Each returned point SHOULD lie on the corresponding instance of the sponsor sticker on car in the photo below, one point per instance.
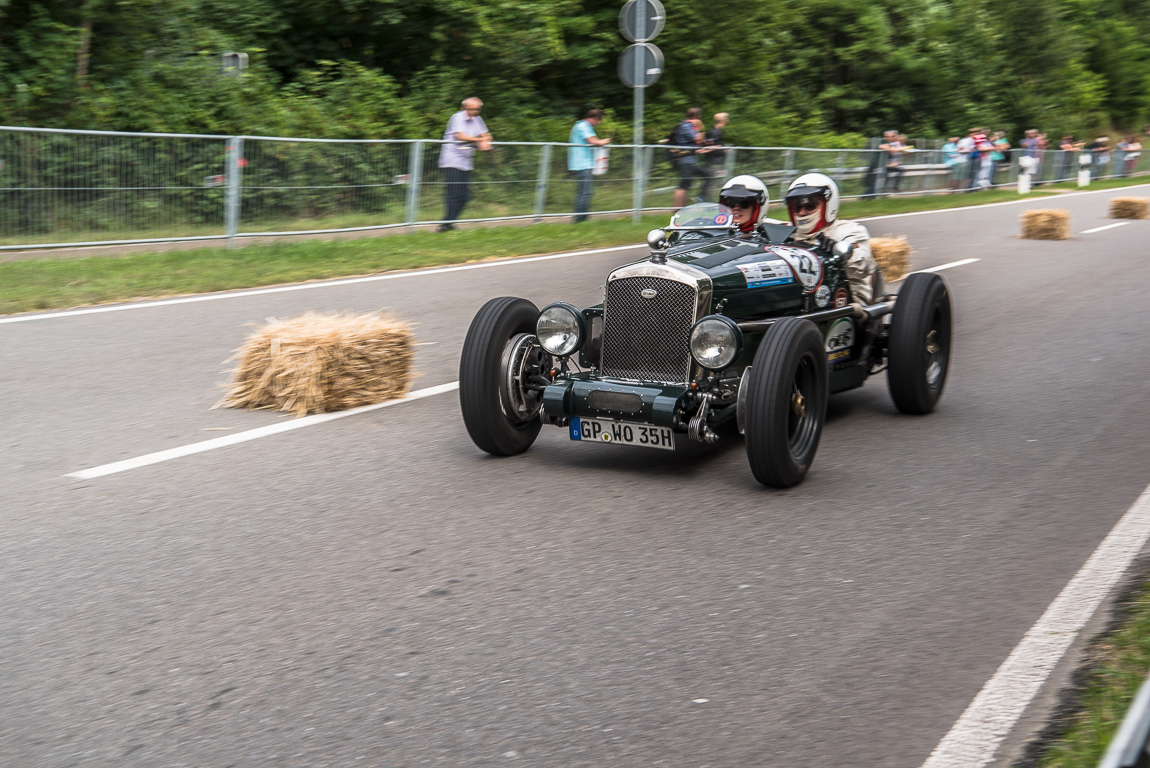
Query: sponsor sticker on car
(761, 273)
(603, 431)
(839, 340)
(807, 266)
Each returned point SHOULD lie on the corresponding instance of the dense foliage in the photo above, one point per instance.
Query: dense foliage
(819, 72)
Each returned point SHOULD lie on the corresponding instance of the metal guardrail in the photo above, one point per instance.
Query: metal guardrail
(1129, 747)
(61, 188)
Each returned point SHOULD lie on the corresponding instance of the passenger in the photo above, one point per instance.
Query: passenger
(747, 198)
(813, 204)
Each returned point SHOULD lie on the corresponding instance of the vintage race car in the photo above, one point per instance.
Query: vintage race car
(711, 329)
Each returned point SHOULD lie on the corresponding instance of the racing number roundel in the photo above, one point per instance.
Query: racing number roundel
(808, 267)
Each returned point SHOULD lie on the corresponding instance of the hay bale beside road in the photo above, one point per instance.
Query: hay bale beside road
(892, 255)
(322, 362)
(1046, 224)
(1130, 208)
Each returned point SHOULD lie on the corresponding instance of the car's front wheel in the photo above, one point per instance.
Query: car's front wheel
(918, 353)
(500, 357)
(786, 402)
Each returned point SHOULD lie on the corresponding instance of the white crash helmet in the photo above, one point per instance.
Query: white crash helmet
(744, 187)
(813, 185)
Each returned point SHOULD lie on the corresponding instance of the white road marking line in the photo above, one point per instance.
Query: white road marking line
(1100, 229)
(441, 270)
(951, 265)
(1042, 199)
(252, 434)
(307, 286)
(974, 739)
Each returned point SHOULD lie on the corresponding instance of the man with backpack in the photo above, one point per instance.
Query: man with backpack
(683, 146)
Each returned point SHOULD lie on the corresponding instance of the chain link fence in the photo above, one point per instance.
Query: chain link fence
(63, 187)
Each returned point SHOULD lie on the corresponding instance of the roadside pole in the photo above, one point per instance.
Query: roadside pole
(640, 65)
(637, 170)
(235, 147)
(541, 182)
(414, 179)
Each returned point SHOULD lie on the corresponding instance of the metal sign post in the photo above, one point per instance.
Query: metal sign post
(640, 65)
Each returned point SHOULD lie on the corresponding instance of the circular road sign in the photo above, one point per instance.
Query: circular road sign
(650, 59)
(650, 11)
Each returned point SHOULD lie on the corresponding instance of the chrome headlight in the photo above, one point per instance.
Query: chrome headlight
(716, 342)
(560, 329)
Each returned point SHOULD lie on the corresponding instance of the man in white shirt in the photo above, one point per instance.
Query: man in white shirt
(466, 132)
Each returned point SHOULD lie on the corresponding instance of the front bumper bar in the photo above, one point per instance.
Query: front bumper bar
(582, 394)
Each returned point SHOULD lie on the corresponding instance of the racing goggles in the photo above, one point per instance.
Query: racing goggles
(737, 202)
(805, 203)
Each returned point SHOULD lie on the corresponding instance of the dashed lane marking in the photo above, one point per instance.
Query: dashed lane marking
(951, 265)
(1102, 229)
(251, 434)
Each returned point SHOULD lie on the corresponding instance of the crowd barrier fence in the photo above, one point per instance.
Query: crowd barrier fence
(70, 187)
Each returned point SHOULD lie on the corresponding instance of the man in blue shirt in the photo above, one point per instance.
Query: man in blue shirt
(581, 159)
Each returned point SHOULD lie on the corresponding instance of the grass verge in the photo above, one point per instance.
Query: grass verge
(40, 284)
(1092, 711)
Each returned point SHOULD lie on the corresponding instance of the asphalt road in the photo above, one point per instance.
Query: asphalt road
(375, 591)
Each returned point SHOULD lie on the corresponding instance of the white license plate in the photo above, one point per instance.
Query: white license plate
(600, 431)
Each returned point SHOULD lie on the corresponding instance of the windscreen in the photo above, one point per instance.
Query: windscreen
(701, 215)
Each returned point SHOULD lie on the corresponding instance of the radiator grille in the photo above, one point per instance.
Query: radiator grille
(648, 338)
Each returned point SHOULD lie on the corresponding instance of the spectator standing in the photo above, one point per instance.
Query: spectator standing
(1043, 145)
(1000, 157)
(714, 154)
(983, 149)
(1100, 155)
(1029, 147)
(686, 140)
(1067, 148)
(893, 146)
(581, 159)
(877, 160)
(1132, 150)
(954, 161)
(967, 149)
(465, 134)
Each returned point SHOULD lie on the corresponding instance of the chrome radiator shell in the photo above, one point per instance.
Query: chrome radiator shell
(648, 311)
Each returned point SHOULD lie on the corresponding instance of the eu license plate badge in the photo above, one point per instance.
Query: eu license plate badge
(602, 431)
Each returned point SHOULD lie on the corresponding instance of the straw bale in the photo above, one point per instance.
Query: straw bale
(892, 255)
(1046, 224)
(1130, 208)
(322, 362)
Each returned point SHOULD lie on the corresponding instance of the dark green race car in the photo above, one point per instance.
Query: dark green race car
(711, 329)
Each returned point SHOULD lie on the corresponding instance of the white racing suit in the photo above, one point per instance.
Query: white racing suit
(861, 266)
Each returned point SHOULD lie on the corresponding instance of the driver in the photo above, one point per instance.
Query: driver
(747, 199)
(813, 204)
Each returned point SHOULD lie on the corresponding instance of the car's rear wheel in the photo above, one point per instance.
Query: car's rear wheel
(500, 355)
(918, 352)
(786, 402)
